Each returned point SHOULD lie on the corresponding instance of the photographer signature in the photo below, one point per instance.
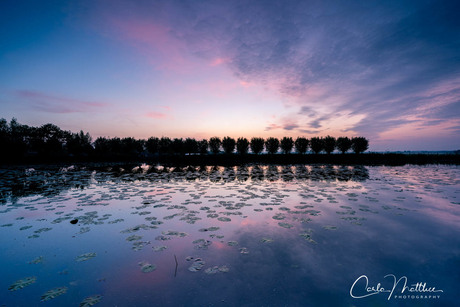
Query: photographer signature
(357, 291)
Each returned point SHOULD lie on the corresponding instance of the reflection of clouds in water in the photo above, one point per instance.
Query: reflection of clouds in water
(49, 181)
(316, 239)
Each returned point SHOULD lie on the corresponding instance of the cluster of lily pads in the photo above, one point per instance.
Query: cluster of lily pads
(213, 205)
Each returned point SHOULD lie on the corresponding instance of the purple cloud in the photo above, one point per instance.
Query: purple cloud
(57, 104)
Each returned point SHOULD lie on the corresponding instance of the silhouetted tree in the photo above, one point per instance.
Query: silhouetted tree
(359, 144)
(272, 145)
(191, 146)
(203, 147)
(115, 146)
(165, 145)
(51, 139)
(131, 147)
(329, 144)
(257, 145)
(343, 144)
(214, 145)
(152, 145)
(18, 139)
(286, 144)
(79, 144)
(4, 137)
(228, 144)
(316, 145)
(178, 146)
(301, 145)
(102, 146)
(242, 146)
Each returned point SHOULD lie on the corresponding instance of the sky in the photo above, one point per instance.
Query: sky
(385, 70)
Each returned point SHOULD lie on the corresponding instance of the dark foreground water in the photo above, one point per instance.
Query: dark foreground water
(242, 236)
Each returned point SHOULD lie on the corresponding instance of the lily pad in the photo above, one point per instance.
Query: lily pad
(85, 257)
(91, 300)
(232, 243)
(22, 283)
(244, 251)
(159, 248)
(285, 225)
(37, 260)
(196, 265)
(212, 228)
(53, 293)
(147, 267)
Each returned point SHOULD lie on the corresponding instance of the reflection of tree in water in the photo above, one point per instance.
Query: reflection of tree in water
(215, 175)
(301, 172)
(242, 173)
(16, 183)
(19, 183)
(272, 173)
(257, 173)
(286, 173)
(229, 173)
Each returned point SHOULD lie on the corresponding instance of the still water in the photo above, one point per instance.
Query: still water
(303, 235)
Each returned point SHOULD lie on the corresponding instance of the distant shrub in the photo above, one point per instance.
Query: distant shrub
(329, 144)
(316, 145)
(301, 145)
(286, 144)
(242, 146)
(343, 144)
(228, 144)
(257, 145)
(214, 145)
(359, 144)
(272, 145)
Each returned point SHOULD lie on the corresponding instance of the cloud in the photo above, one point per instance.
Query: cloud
(290, 127)
(384, 65)
(156, 115)
(57, 104)
(273, 127)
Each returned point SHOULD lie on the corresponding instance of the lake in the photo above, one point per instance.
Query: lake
(300, 235)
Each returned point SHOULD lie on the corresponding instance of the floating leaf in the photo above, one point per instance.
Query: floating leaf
(232, 243)
(147, 267)
(37, 260)
(22, 283)
(133, 238)
(285, 225)
(91, 300)
(213, 228)
(196, 265)
(159, 248)
(85, 257)
(53, 293)
(244, 251)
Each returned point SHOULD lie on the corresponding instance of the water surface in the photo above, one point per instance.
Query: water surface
(228, 236)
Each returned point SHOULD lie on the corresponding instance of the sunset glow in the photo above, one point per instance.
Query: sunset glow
(387, 71)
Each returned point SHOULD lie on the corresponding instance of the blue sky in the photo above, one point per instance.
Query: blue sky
(386, 70)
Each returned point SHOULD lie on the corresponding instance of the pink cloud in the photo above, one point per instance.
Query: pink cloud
(154, 41)
(219, 61)
(156, 115)
(167, 108)
(57, 104)
(273, 127)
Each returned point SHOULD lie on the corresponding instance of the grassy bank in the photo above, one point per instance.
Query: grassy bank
(390, 159)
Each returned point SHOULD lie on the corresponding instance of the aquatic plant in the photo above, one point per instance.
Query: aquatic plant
(22, 283)
(53, 293)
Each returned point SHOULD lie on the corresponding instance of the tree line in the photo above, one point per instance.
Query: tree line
(50, 141)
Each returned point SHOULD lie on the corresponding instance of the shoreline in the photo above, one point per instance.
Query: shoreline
(365, 159)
